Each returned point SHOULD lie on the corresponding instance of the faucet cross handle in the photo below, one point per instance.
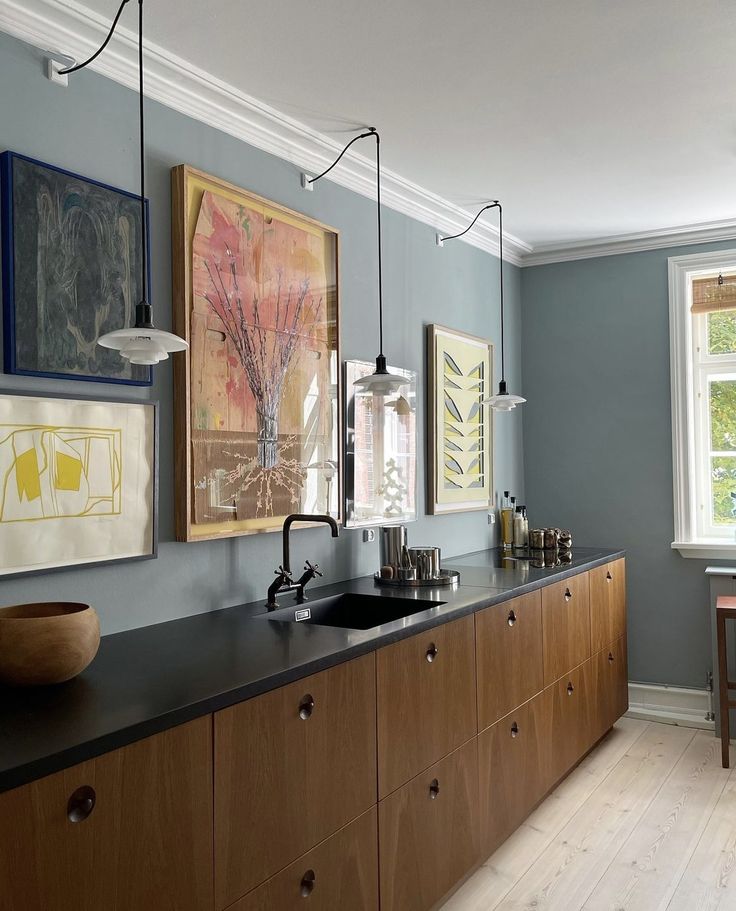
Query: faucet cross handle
(285, 576)
(312, 570)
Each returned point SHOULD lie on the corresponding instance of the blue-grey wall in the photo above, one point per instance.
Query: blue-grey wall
(598, 442)
(91, 128)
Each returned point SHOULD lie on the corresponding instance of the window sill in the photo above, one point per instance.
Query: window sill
(705, 550)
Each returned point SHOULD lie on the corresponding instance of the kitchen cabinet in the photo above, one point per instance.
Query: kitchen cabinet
(611, 686)
(291, 768)
(341, 872)
(514, 761)
(129, 830)
(426, 700)
(572, 707)
(429, 832)
(565, 626)
(508, 645)
(607, 604)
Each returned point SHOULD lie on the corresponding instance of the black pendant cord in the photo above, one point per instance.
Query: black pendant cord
(143, 309)
(81, 66)
(371, 132)
(492, 205)
(143, 314)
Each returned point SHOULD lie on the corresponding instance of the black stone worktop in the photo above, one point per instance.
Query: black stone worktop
(147, 680)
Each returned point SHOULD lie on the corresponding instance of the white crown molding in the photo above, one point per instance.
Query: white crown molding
(67, 27)
(684, 235)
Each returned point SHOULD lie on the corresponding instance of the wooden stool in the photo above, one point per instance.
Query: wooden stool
(725, 610)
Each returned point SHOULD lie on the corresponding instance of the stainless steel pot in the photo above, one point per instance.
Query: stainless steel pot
(427, 561)
(392, 544)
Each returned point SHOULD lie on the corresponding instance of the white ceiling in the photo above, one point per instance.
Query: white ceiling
(587, 118)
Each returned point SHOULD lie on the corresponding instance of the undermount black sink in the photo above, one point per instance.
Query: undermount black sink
(351, 611)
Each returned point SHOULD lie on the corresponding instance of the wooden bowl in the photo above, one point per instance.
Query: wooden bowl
(46, 643)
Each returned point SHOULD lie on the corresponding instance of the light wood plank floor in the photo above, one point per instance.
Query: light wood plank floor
(647, 822)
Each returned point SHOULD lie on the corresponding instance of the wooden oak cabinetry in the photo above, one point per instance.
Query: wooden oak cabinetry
(515, 770)
(429, 832)
(291, 768)
(607, 604)
(566, 626)
(426, 700)
(129, 830)
(508, 647)
(341, 872)
(424, 755)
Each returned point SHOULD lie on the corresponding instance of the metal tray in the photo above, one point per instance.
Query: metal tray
(447, 577)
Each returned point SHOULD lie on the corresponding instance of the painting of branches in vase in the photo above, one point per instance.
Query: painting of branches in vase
(255, 288)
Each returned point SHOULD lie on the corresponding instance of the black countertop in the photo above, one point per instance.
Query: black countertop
(147, 680)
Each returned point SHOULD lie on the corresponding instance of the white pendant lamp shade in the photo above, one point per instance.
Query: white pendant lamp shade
(503, 400)
(145, 347)
(381, 382)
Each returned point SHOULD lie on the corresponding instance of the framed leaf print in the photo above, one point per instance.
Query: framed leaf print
(71, 256)
(459, 427)
(80, 482)
(257, 396)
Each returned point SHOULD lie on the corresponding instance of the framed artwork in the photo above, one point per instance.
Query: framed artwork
(71, 255)
(459, 438)
(80, 481)
(380, 450)
(257, 416)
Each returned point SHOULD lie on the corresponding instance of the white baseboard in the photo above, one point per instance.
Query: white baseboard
(670, 704)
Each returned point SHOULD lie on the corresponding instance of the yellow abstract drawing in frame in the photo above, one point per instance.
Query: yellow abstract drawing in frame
(459, 444)
(77, 482)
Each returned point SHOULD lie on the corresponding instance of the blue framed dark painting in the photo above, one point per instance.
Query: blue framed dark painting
(71, 255)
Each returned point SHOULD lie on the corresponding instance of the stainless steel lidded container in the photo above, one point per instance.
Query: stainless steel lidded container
(392, 544)
(427, 561)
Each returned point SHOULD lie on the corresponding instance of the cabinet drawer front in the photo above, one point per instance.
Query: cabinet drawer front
(508, 642)
(426, 700)
(612, 685)
(607, 604)
(342, 872)
(291, 768)
(429, 833)
(573, 727)
(565, 626)
(131, 829)
(515, 771)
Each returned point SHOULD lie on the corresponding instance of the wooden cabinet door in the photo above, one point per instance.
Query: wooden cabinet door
(429, 833)
(342, 872)
(612, 686)
(565, 626)
(508, 648)
(515, 769)
(139, 836)
(573, 702)
(426, 700)
(291, 768)
(607, 604)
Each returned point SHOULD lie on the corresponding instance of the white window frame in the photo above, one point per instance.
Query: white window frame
(690, 372)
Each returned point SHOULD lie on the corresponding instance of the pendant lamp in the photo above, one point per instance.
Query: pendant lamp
(380, 382)
(503, 400)
(143, 343)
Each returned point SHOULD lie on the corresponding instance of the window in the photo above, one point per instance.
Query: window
(703, 366)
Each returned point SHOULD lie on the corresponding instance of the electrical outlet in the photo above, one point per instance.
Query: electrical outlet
(306, 185)
(369, 535)
(491, 518)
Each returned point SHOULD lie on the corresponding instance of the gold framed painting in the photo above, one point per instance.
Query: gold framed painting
(257, 395)
(459, 427)
(80, 480)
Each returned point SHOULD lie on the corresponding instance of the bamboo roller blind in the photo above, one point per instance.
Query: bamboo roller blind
(709, 296)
